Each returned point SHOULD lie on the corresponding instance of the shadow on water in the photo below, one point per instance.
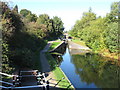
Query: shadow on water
(57, 54)
(88, 70)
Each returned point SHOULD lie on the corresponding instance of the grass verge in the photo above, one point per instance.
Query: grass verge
(104, 53)
(76, 40)
(54, 44)
(64, 83)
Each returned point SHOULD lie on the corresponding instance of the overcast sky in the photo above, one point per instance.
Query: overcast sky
(68, 10)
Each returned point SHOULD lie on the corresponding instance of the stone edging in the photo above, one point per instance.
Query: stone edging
(57, 46)
(61, 69)
(66, 78)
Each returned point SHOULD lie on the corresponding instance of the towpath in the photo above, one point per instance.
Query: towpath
(73, 45)
(44, 62)
(46, 67)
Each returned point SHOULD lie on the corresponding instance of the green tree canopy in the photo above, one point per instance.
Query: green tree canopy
(31, 17)
(100, 34)
(25, 12)
(43, 19)
(58, 25)
(114, 8)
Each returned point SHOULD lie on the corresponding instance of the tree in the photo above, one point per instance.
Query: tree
(15, 9)
(111, 37)
(54, 26)
(58, 26)
(13, 49)
(100, 34)
(83, 23)
(43, 19)
(11, 24)
(114, 8)
(23, 36)
(25, 12)
(113, 15)
(31, 17)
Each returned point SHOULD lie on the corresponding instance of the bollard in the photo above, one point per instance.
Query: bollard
(13, 81)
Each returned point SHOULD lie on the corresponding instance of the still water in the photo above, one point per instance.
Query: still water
(90, 71)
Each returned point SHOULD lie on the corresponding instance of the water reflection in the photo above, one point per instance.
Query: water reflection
(57, 54)
(78, 51)
(90, 71)
(58, 58)
(60, 49)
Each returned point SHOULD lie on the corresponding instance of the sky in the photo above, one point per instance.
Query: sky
(68, 10)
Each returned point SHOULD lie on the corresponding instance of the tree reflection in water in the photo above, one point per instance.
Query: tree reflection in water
(93, 69)
(57, 53)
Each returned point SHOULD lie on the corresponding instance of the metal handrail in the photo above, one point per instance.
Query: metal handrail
(6, 83)
(7, 74)
(30, 71)
(45, 82)
(36, 86)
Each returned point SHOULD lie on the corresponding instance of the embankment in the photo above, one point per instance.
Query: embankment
(57, 70)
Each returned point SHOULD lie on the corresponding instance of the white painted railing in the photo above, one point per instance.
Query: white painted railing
(36, 86)
(45, 84)
(7, 74)
(30, 71)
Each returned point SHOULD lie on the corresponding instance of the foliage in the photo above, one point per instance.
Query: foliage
(58, 26)
(23, 34)
(11, 25)
(99, 33)
(111, 37)
(15, 9)
(51, 27)
(31, 17)
(25, 12)
(43, 19)
(6, 64)
(114, 8)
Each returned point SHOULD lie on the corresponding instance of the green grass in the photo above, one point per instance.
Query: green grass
(58, 73)
(76, 40)
(54, 44)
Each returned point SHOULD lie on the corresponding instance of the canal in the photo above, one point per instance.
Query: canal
(88, 70)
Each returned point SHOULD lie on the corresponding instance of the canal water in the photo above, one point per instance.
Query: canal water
(87, 70)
